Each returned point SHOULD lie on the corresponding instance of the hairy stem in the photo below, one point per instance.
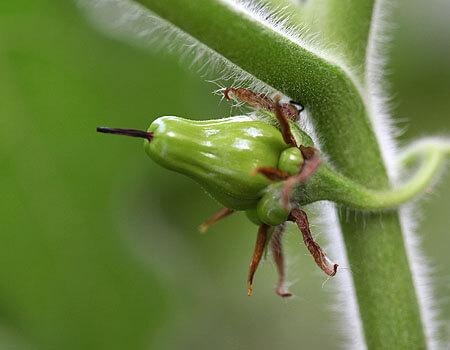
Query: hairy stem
(335, 99)
(327, 184)
(346, 23)
(295, 67)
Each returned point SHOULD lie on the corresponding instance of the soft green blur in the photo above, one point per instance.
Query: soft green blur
(99, 247)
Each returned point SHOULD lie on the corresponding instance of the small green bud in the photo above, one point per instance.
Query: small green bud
(270, 209)
(291, 160)
(252, 215)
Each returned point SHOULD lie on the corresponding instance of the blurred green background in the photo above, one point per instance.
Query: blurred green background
(99, 248)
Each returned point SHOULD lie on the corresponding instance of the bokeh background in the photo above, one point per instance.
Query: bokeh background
(99, 248)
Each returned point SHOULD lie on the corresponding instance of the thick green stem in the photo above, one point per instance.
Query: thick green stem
(346, 23)
(334, 98)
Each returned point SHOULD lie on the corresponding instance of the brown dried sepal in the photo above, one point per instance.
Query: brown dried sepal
(262, 101)
(257, 255)
(300, 218)
(277, 251)
(254, 99)
(221, 214)
(284, 123)
(311, 162)
(273, 174)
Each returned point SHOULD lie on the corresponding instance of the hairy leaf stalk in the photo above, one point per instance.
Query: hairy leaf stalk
(335, 99)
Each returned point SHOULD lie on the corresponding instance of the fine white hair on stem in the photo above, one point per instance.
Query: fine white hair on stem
(279, 21)
(132, 23)
(346, 309)
(386, 132)
(128, 21)
(422, 273)
(379, 102)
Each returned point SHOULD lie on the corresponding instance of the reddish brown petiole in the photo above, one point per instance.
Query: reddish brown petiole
(257, 255)
(300, 218)
(276, 246)
(221, 214)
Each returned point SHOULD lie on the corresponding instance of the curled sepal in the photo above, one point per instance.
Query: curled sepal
(285, 126)
(261, 240)
(300, 218)
(278, 257)
(265, 103)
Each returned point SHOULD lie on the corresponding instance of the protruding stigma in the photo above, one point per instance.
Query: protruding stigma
(127, 132)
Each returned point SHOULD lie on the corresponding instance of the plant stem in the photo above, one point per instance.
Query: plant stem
(334, 98)
(345, 23)
(327, 184)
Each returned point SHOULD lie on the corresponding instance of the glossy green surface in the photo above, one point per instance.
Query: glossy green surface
(270, 208)
(93, 256)
(219, 154)
(290, 160)
(252, 215)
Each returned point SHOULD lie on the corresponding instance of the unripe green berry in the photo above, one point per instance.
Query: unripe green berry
(291, 160)
(219, 154)
(252, 215)
(270, 208)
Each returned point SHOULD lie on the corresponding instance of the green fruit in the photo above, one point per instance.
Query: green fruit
(219, 154)
(222, 156)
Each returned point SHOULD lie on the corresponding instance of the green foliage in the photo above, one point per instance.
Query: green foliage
(96, 253)
(339, 101)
